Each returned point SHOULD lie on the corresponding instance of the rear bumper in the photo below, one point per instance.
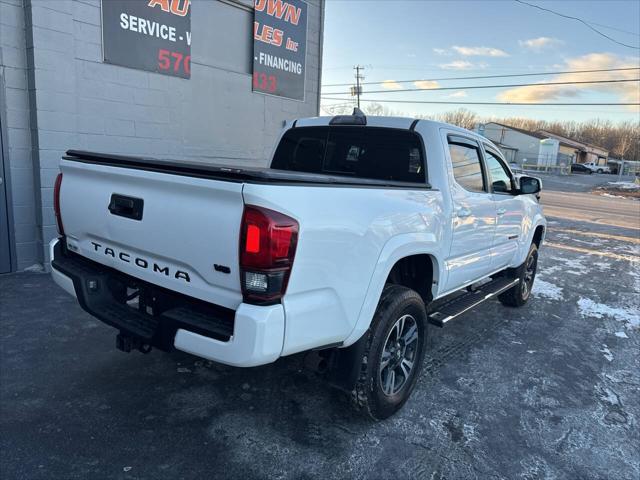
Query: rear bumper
(250, 336)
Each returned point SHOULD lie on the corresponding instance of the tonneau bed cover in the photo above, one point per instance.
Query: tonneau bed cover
(230, 173)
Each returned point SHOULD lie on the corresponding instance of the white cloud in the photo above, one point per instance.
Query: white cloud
(462, 65)
(458, 94)
(480, 51)
(625, 92)
(426, 84)
(440, 51)
(540, 43)
(391, 85)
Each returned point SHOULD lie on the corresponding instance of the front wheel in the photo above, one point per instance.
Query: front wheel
(600, 170)
(518, 295)
(394, 353)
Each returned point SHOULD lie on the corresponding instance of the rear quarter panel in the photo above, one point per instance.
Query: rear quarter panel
(349, 240)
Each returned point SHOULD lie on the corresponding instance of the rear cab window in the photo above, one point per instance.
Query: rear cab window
(361, 152)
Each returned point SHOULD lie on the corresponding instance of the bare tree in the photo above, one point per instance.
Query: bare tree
(622, 139)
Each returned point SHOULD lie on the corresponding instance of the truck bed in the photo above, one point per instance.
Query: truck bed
(232, 173)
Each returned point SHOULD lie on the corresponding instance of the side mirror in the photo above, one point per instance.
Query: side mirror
(530, 185)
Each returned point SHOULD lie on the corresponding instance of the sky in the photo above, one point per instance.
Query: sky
(399, 40)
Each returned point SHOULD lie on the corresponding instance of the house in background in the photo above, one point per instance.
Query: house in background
(541, 148)
(581, 151)
(517, 145)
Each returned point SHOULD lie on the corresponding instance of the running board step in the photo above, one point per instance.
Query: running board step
(451, 309)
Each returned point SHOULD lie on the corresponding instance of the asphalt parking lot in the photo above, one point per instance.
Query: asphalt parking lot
(577, 182)
(551, 390)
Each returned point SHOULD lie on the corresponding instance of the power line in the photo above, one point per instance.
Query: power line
(488, 76)
(380, 100)
(615, 28)
(578, 20)
(474, 87)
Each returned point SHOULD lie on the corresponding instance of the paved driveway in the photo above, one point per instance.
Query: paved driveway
(551, 390)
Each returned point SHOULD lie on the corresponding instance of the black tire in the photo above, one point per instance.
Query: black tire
(520, 294)
(370, 395)
(599, 170)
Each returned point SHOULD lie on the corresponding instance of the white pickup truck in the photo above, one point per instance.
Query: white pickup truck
(363, 232)
(596, 168)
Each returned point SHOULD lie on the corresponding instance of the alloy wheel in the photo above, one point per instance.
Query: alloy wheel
(398, 355)
(529, 275)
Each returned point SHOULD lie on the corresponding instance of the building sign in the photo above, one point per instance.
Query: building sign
(279, 48)
(153, 35)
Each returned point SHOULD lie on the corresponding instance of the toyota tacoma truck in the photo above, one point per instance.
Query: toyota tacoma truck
(364, 233)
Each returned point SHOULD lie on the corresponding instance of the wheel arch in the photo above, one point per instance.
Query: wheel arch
(534, 233)
(539, 234)
(416, 251)
(416, 272)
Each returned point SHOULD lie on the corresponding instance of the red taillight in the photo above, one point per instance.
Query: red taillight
(268, 242)
(56, 203)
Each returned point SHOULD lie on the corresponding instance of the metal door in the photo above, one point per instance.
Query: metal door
(5, 254)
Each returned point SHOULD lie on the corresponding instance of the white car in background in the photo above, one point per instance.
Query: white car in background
(595, 168)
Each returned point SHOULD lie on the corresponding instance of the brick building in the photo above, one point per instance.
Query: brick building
(58, 93)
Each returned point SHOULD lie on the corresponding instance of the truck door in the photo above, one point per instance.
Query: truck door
(509, 210)
(473, 215)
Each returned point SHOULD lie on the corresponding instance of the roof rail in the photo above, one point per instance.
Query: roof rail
(356, 118)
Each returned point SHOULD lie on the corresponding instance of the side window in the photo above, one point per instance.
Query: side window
(467, 169)
(500, 178)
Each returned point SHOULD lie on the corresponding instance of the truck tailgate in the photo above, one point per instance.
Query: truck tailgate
(186, 239)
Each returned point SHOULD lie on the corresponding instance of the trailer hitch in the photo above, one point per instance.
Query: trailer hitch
(126, 343)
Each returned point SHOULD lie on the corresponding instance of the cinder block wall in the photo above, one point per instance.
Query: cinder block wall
(63, 96)
(22, 177)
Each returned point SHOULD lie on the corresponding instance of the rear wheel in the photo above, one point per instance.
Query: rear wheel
(394, 353)
(518, 295)
(600, 170)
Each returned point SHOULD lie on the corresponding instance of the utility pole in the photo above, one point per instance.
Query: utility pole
(358, 89)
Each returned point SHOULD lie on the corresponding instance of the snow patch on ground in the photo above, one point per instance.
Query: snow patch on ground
(549, 270)
(609, 396)
(35, 268)
(589, 308)
(607, 353)
(546, 290)
(602, 265)
(621, 335)
(626, 185)
(575, 265)
(605, 194)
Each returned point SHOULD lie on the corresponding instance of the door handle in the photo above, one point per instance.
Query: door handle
(501, 211)
(127, 207)
(463, 212)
